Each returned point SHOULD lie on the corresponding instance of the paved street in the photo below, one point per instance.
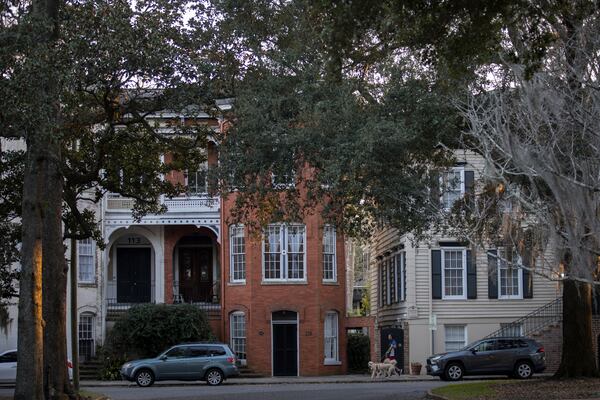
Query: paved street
(327, 391)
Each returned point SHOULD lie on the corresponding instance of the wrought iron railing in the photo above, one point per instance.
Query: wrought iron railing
(533, 322)
(206, 302)
(113, 303)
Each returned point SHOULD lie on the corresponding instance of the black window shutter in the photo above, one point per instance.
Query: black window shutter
(527, 284)
(404, 276)
(471, 275)
(435, 190)
(470, 187)
(492, 274)
(436, 274)
(381, 285)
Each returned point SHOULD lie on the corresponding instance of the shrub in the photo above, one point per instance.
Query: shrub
(148, 329)
(359, 352)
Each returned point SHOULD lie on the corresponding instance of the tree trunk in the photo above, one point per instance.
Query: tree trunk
(577, 359)
(55, 272)
(30, 328)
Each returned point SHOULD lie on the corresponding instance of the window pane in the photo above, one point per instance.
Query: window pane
(272, 253)
(197, 181)
(295, 252)
(508, 274)
(329, 272)
(455, 337)
(331, 336)
(237, 248)
(453, 273)
(451, 187)
(238, 335)
(85, 255)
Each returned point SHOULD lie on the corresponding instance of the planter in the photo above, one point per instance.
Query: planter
(415, 368)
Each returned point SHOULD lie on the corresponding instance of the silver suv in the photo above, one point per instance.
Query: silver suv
(514, 356)
(211, 362)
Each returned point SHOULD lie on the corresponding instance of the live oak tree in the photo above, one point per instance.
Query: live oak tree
(538, 130)
(78, 82)
(369, 95)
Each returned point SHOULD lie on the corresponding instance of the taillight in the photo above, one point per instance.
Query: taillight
(540, 350)
(231, 360)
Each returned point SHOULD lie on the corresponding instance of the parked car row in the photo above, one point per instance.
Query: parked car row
(517, 357)
(8, 367)
(210, 362)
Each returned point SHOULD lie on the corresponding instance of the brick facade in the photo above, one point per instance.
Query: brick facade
(311, 300)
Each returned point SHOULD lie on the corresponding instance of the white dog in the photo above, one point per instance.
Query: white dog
(384, 369)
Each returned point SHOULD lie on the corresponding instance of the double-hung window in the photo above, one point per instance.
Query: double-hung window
(197, 181)
(453, 187)
(284, 252)
(238, 335)
(510, 276)
(454, 273)
(331, 337)
(237, 253)
(455, 337)
(329, 264)
(85, 255)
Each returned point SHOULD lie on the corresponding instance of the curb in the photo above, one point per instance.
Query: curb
(252, 382)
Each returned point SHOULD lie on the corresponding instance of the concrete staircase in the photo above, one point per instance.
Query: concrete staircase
(90, 370)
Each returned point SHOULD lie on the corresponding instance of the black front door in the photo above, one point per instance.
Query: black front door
(285, 349)
(397, 337)
(133, 275)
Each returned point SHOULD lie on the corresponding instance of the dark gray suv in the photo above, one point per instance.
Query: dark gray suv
(514, 356)
(211, 362)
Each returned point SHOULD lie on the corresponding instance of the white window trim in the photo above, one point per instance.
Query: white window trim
(518, 296)
(336, 359)
(443, 188)
(283, 256)
(334, 279)
(202, 167)
(464, 274)
(231, 261)
(466, 340)
(93, 256)
(245, 337)
(281, 186)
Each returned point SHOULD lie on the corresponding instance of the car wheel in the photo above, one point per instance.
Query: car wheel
(144, 378)
(454, 372)
(214, 377)
(523, 370)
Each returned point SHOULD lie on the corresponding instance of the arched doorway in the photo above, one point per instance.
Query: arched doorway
(194, 271)
(285, 343)
(131, 271)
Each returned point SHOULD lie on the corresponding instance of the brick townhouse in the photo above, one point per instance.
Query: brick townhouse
(277, 296)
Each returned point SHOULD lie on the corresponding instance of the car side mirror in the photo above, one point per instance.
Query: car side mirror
(473, 351)
(163, 358)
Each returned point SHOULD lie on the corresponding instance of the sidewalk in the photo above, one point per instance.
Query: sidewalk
(276, 380)
(281, 380)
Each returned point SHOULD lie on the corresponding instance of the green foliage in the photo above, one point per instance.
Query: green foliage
(365, 303)
(359, 352)
(147, 329)
(111, 364)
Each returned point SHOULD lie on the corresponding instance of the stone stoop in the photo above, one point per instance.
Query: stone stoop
(90, 370)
